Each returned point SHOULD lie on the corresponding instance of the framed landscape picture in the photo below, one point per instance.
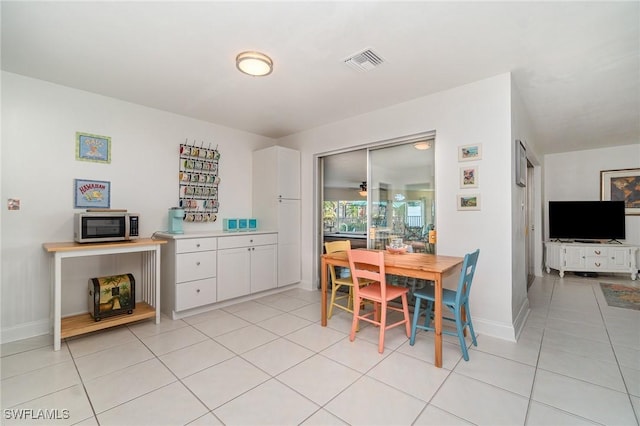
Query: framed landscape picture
(468, 201)
(470, 152)
(622, 185)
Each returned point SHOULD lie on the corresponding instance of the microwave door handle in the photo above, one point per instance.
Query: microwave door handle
(127, 227)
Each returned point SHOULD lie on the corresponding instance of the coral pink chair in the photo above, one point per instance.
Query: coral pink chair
(369, 265)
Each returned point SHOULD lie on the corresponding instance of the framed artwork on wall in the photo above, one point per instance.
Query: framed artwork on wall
(91, 194)
(468, 201)
(94, 148)
(469, 177)
(521, 164)
(622, 185)
(470, 152)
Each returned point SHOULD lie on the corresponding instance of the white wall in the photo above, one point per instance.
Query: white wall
(474, 113)
(38, 166)
(574, 176)
(39, 121)
(522, 130)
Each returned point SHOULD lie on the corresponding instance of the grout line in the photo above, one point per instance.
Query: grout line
(557, 286)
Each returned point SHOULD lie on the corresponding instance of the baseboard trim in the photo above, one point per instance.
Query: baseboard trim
(25, 331)
(521, 318)
(494, 329)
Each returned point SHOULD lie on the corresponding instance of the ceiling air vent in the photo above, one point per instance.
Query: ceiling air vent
(364, 61)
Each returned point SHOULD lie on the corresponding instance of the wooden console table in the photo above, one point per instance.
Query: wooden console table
(84, 323)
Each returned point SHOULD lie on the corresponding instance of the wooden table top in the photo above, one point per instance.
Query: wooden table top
(73, 246)
(411, 261)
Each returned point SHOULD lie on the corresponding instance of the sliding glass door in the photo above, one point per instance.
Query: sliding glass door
(401, 195)
(373, 194)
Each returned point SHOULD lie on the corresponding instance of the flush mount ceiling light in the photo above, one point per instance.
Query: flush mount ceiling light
(254, 63)
(423, 145)
(363, 189)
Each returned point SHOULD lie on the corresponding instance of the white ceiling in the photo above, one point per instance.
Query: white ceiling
(575, 64)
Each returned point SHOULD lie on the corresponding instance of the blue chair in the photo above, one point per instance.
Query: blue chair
(457, 302)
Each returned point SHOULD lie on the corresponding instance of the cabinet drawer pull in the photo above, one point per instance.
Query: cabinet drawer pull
(197, 263)
(198, 245)
(598, 252)
(198, 291)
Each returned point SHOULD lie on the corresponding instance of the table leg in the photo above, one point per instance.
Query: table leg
(156, 281)
(57, 301)
(437, 312)
(323, 289)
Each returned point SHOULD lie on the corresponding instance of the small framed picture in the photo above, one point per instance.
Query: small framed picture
(622, 185)
(469, 177)
(521, 164)
(468, 201)
(91, 194)
(94, 148)
(470, 152)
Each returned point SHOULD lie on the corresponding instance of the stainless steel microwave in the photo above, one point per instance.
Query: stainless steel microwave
(95, 227)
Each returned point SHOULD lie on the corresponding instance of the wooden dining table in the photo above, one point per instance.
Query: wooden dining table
(414, 265)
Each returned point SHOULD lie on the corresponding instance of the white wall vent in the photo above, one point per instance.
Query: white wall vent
(364, 61)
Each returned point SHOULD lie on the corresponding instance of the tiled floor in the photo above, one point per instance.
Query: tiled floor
(270, 362)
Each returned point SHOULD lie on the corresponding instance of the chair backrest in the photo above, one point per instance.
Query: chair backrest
(332, 247)
(466, 276)
(367, 264)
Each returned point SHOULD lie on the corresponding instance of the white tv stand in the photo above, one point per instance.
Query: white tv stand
(591, 257)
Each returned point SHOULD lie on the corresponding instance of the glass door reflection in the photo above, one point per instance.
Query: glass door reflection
(401, 195)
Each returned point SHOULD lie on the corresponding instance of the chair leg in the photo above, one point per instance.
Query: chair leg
(460, 330)
(473, 333)
(427, 314)
(383, 326)
(414, 325)
(350, 299)
(405, 310)
(334, 290)
(354, 323)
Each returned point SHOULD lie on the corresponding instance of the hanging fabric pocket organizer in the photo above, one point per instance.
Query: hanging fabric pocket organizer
(198, 183)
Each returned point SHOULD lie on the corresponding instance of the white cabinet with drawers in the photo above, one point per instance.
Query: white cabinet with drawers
(581, 257)
(189, 269)
(199, 270)
(247, 264)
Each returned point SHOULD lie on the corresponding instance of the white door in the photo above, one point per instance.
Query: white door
(529, 227)
(289, 271)
(288, 173)
(264, 266)
(234, 273)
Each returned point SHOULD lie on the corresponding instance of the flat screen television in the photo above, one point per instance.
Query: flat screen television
(586, 220)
